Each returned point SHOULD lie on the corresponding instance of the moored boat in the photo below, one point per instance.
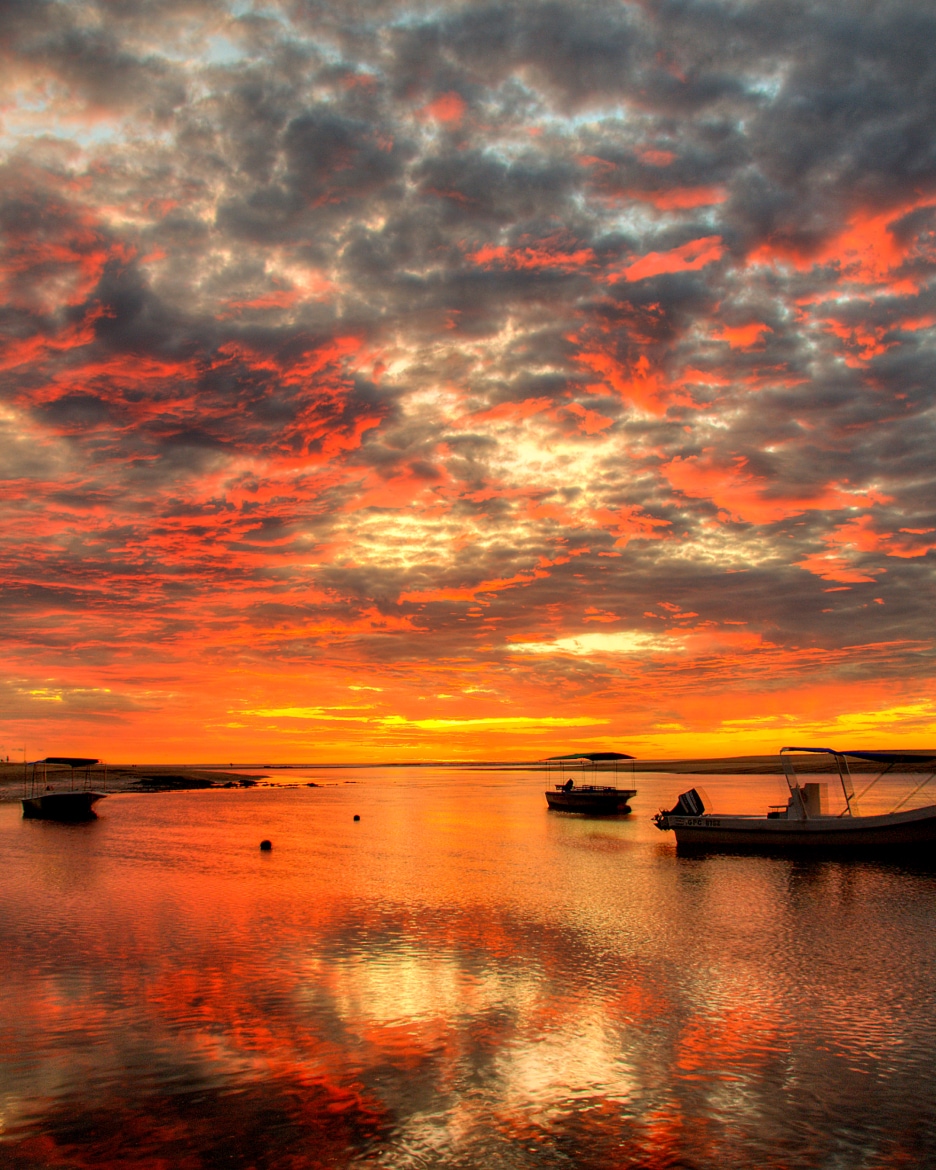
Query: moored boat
(805, 821)
(73, 802)
(590, 798)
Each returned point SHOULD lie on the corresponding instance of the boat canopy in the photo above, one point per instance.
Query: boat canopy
(71, 761)
(594, 757)
(883, 757)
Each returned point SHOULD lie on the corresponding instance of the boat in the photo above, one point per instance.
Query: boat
(591, 798)
(74, 801)
(805, 822)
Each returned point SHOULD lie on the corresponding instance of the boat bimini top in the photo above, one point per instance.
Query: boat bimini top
(69, 761)
(887, 759)
(592, 757)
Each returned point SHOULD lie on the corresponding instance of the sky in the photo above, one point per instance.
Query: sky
(419, 381)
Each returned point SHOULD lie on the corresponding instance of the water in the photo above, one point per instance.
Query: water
(460, 979)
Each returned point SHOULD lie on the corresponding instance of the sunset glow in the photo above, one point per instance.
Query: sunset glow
(403, 382)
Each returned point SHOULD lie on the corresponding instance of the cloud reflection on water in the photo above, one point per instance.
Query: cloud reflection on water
(573, 993)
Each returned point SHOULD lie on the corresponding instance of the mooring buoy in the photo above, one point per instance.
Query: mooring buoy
(266, 845)
(356, 817)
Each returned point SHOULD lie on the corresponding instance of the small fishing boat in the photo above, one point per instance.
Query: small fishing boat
(805, 822)
(61, 796)
(596, 799)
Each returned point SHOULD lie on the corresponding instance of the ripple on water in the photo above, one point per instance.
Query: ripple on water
(459, 979)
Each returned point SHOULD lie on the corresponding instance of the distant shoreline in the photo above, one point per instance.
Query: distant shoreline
(182, 777)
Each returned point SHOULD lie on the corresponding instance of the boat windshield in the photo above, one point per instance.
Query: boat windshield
(887, 759)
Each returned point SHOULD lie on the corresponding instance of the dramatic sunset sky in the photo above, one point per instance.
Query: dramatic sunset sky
(405, 381)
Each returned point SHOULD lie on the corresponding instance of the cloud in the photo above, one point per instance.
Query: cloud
(623, 642)
(500, 723)
(686, 258)
(384, 347)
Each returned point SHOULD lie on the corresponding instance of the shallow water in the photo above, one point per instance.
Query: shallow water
(460, 979)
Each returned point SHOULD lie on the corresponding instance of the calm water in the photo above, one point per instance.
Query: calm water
(461, 979)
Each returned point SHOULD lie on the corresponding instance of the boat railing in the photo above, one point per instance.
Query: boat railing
(590, 788)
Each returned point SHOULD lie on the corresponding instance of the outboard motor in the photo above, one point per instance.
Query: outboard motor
(690, 804)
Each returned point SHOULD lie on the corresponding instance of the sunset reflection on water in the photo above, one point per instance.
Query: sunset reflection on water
(459, 979)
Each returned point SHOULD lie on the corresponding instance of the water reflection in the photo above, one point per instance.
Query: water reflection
(459, 979)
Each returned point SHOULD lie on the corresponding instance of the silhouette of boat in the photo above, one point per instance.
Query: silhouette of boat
(73, 801)
(592, 798)
(805, 822)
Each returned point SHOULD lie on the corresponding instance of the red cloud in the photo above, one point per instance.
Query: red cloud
(656, 158)
(748, 497)
(863, 535)
(470, 592)
(866, 251)
(830, 566)
(630, 523)
(679, 198)
(58, 261)
(639, 383)
(743, 336)
(546, 254)
(512, 411)
(686, 258)
(447, 107)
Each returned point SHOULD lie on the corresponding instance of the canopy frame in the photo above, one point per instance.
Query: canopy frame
(890, 759)
(79, 779)
(590, 763)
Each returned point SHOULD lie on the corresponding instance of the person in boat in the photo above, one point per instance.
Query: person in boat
(568, 786)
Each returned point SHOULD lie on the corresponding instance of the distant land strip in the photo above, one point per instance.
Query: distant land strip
(177, 777)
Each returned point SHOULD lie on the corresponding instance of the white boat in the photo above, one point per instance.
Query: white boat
(805, 821)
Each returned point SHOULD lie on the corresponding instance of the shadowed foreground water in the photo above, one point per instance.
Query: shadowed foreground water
(461, 979)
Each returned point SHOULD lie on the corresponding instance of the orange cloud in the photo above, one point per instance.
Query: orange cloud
(470, 593)
(742, 336)
(656, 158)
(686, 258)
(448, 108)
(830, 566)
(862, 342)
(590, 422)
(862, 535)
(747, 497)
(866, 250)
(58, 263)
(639, 383)
(679, 198)
(512, 411)
(630, 523)
(547, 254)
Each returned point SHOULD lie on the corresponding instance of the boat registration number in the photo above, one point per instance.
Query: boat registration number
(698, 823)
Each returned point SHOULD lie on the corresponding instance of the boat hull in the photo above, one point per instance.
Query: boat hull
(915, 829)
(603, 802)
(62, 806)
